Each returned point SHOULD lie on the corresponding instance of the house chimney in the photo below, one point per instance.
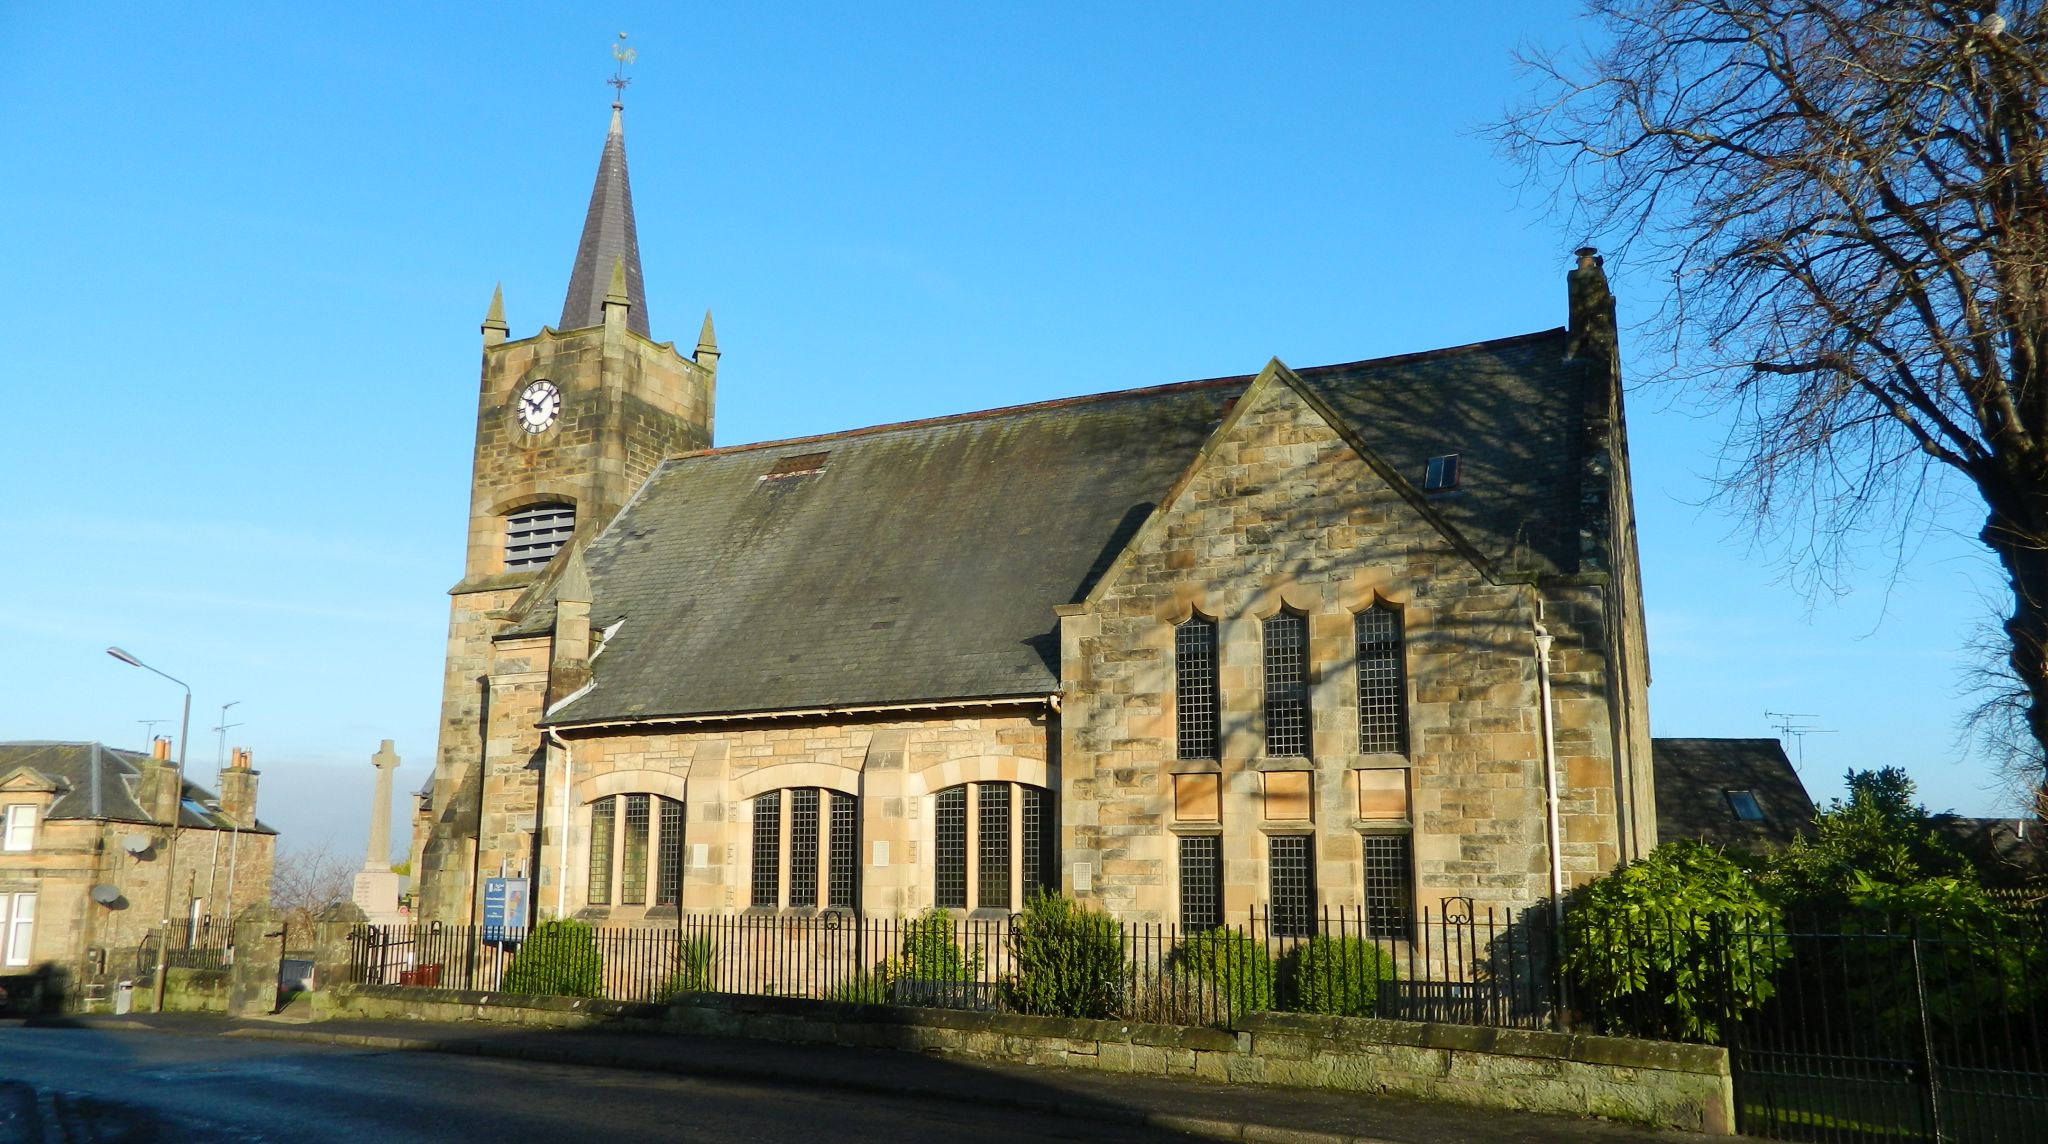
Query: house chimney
(1590, 336)
(238, 788)
(156, 784)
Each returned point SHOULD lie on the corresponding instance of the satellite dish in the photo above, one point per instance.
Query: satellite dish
(105, 894)
(135, 843)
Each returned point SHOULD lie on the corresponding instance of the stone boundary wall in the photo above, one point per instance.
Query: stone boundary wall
(1651, 1082)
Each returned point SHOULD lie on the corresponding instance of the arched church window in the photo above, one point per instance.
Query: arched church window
(1382, 687)
(1194, 695)
(651, 850)
(534, 534)
(804, 843)
(1008, 835)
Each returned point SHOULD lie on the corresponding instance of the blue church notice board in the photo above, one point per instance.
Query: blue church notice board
(505, 908)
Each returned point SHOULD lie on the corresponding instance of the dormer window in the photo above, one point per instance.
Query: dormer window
(18, 827)
(533, 535)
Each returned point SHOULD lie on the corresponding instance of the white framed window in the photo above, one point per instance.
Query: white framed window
(17, 928)
(18, 828)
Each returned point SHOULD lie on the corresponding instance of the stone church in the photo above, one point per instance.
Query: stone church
(1366, 635)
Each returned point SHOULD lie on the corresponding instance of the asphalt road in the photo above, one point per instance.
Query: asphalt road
(71, 1086)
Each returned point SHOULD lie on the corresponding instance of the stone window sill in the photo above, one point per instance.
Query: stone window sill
(1197, 828)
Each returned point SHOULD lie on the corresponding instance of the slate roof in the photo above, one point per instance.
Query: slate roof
(1694, 775)
(922, 561)
(608, 235)
(100, 784)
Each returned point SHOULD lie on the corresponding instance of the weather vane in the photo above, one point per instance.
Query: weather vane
(624, 55)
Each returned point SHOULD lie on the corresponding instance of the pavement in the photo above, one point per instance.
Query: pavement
(1266, 1115)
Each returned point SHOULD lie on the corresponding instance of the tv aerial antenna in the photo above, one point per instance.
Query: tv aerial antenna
(1796, 726)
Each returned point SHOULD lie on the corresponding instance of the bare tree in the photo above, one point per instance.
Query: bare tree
(307, 880)
(1849, 197)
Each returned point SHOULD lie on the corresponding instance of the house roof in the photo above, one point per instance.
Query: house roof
(922, 561)
(99, 781)
(1694, 778)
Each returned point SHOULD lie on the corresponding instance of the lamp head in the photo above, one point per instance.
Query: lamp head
(124, 657)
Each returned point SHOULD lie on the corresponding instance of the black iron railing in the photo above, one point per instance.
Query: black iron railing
(1489, 968)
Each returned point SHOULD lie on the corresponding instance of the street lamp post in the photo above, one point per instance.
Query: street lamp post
(163, 943)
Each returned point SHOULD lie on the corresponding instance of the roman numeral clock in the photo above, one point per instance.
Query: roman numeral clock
(539, 405)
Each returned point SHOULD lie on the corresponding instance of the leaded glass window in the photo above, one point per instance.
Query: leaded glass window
(844, 847)
(1389, 877)
(1201, 882)
(603, 821)
(803, 847)
(1286, 645)
(633, 854)
(1034, 854)
(767, 877)
(668, 881)
(992, 806)
(949, 849)
(1195, 700)
(1292, 896)
(1382, 698)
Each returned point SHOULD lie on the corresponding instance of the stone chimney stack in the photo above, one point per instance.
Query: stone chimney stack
(156, 783)
(1591, 332)
(238, 788)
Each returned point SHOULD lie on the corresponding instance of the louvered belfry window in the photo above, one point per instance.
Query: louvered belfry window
(534, 534)
(1194, 697)
(1286, 640)
(1382, 698)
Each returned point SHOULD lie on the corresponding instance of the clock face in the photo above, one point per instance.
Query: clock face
(539, 406)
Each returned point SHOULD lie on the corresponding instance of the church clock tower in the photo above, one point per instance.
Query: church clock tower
(569, 423)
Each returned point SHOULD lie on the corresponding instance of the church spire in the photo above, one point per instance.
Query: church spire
(608, 239)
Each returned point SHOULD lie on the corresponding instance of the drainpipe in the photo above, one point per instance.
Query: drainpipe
(1550, 814)
(562, 843)
(1560, 1020)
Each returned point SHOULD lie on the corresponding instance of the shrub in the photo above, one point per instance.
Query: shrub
(1340, 975)
(558, 958)
(1675, 944)
(695, 970)
(1069, 960)
(929, 953)
(1236, 965)
(1978, 960)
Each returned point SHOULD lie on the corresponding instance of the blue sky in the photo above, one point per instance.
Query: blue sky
(246, 257)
